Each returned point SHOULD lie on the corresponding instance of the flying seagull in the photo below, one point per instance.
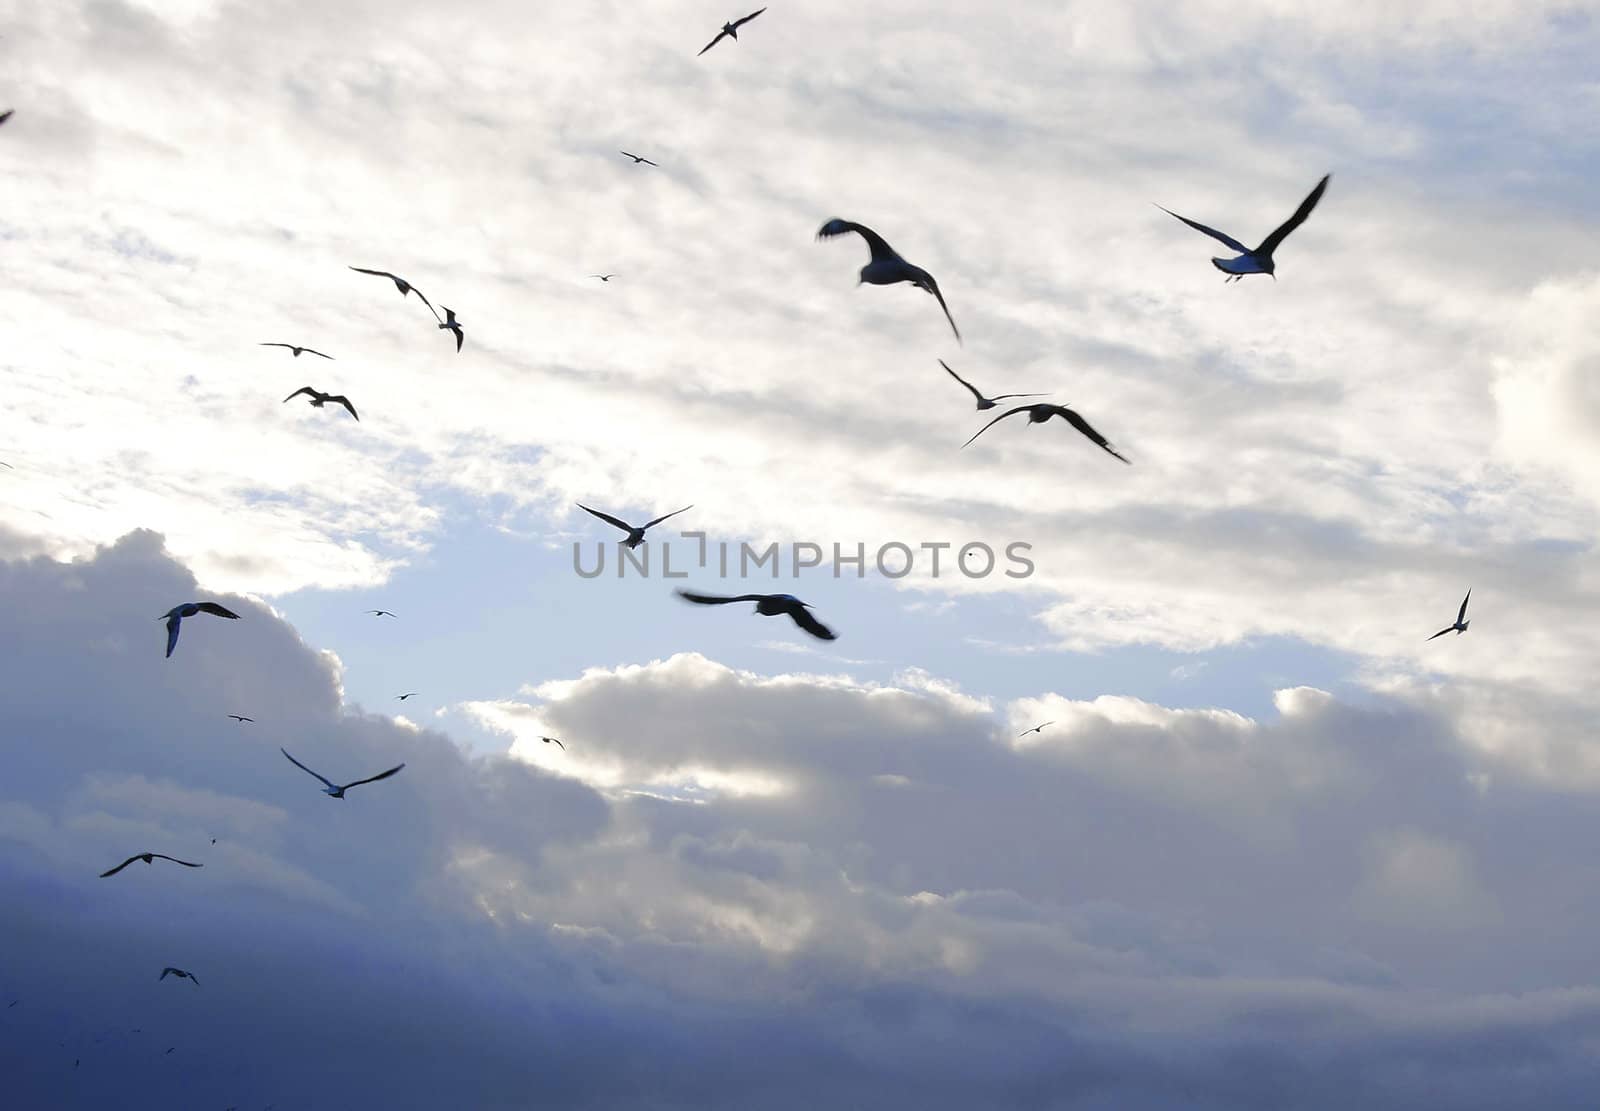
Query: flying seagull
(401, 284)
(646, 161)
(1036, 729)
(603, 277)
(241, 719)
(411, 694)
(769, 605)
(319, 399)
(148, 858)
(553, 741)
(635, 535)
(983, 402)
(180, 974)
(1038, 414)
(1461, 620)
(298, 351)
(1258, 261)
(333, 790)
(380, 613)
(174, 617)
(886, 266)
(450, 322)
(729, 30)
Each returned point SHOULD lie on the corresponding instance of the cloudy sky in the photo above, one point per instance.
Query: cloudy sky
(1276, 850)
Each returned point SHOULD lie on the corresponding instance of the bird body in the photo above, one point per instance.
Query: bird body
(334, 790)
(729, 30)
(1461, 621)
(886, 267)
(635, 532)
(769, 605)
(452, 324)
(319, 399)
(983, 402)
(1038, 414)
(174, 618)
(148, 858)
(553, 741)
(1257, 260)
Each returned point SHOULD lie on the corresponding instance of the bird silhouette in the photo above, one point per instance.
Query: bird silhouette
(886, 267)
(380, 613)
(148, 858)
(729, 31)
(553, 741)
(1258, 260)
(1038, 414)
(241, 719)
(769, 605)
(298, 351)
(319, 399)
(983, 402)
(1461, 623)
(174, 618)
(401, 284)
(635, 534)
(180, 974)
(637, 160)
(334, 790)
(452, 324)
(1036, 729)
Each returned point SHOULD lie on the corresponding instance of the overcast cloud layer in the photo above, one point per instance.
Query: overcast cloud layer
(813, 876)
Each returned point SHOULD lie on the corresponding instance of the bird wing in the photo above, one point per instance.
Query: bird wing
(1270, 243)
(378, 273)
(303, 768)
(1441, 633)
(165, 972)
(971, 387)
(802, 617)
(674, 513)
(997, 420)
(175, 860)
(933, 288)
(290, 346)
(1460, 617)
(647, 162)
(310, 351)
(461, 337)
(6, 115)
(119, 867)
(1088, 430)
(1221, 237)
(172, 634)
(427, 302)
(297, 393)
(877, 244)
(741, 22)
(373, 778)
(606, 517)
(717, 599)
(556, 740)
(720, 36)
(345, 401)
(212, 607)
(1003, 396)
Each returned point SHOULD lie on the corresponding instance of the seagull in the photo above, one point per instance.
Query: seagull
(1038, 414)
(148, 858)
(729, 30)
(453, 325)
(886, 266)
(412, 694)
(174, 616)
(318, 398)
(1036, 729)
(1258, 261)
(770, 605)
(333, 790)
(983, 402)
(401, 284)
(1461, 620)
(635, 535)
(241, 719)
(380, 613)
(553, 741)
(603, 277)
(180, 974)
(646, 161)
(298, 351)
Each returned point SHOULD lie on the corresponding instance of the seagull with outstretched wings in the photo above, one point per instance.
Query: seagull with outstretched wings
(983, 402)
(1259, 259)
(334, 790)
(147, 858)
(319, 399)
(174, 618)
(768, 605)
(635, 533)
(729, 31)
(1038, 414)
(886, 267)
(1461, 621)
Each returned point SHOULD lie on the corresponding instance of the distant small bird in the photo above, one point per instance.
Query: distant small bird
(14, 1002)
(170, 1048)
(319, 399)
(174, 617)
(241, 719)
(646, 161)
(6, 115)
(1258, 261)
(1036, 729)
(1038, 414)
(886, 267)
(411, 694)
(334, 790)
(553, 741)
(380, 613)
(635, 535)
(1461, 620)
(7, 466)
(148, 858)
(298, 351)
(983, 402)
(401, 284)
(769, 605)
(729, 30)
(452, 324)
(603, 277)
(180, 974)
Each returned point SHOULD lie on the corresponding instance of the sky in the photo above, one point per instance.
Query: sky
(1276, 848)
